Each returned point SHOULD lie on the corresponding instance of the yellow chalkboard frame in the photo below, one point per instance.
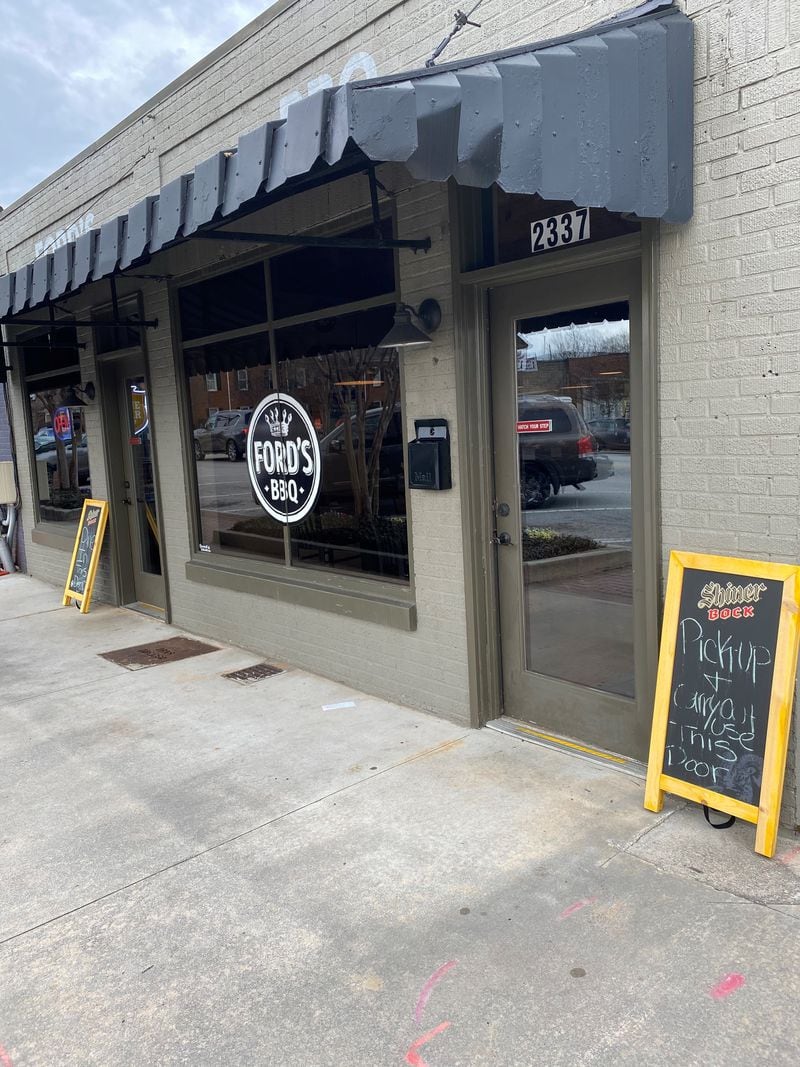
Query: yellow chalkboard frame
(84, 599)
(765, 815)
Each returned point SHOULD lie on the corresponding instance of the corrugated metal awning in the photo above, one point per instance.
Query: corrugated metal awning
(603, 118)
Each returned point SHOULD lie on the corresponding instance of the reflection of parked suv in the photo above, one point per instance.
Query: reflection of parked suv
(336, 489)
(555, 448)
(225, 432)
(611, 433)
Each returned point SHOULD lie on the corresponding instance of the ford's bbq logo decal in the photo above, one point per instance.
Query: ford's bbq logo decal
(283, 458)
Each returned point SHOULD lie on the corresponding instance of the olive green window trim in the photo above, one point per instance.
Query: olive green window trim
(384, 610)
(577, 257)
(49, 535)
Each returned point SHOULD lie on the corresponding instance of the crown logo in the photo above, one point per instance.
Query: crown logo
(278, 421)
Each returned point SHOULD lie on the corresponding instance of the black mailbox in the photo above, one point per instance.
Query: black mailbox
(429, 455)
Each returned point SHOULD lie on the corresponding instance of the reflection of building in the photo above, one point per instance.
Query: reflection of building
(226, 390)
(404, 592)
(599, 385)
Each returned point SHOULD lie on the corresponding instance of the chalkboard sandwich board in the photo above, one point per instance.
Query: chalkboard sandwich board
(86, 554)
(725, 687)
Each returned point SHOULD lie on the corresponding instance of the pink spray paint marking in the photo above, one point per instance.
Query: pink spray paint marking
(577, 906)
(5, 1059)
(413, 1058)
(427, 989)
(787, 857)
(729, 984)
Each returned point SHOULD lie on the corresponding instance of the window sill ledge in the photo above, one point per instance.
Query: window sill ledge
(395, 612)
(52, 536)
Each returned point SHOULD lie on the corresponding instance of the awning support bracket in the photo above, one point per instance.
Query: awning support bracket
(39, 345)
(376, 211)
(312, 241)
(60, 324)
(307, 241)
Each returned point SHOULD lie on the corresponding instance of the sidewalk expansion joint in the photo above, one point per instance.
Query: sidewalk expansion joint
(434, 751)
(92, 683)
(640, 836)
(740, 897)
(33, 614)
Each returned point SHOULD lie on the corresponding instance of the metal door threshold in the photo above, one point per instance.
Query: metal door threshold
(523, 732)
(147, 609)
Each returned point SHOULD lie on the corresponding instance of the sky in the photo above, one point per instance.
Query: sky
(72, 69)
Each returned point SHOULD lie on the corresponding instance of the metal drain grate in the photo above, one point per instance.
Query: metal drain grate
(249, 675)
(137, 657)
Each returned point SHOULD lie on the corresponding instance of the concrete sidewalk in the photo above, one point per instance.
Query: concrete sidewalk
(198, 872)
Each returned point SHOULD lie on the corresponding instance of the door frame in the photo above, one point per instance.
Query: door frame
(553, 701)
(122, 547)
(475, 449)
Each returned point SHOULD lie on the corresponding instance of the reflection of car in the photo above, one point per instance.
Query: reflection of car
(611, 433)
(336, 488)
(555, 448)
(225, 433)
(47, 453)
(44, 437)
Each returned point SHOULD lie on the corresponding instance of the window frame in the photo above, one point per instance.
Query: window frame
(45, 531)
(389, 603)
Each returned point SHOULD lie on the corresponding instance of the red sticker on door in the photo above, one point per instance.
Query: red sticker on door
(536, 426)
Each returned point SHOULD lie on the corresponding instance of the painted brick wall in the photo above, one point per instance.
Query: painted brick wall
(426, 668)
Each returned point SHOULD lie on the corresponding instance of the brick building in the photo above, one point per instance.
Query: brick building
(603, 203)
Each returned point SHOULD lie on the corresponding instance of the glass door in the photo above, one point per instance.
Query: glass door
(567, 394)
(137, 492)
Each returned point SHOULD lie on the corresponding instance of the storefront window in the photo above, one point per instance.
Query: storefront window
(57, 440)
(220, 417)
(227, 302)
(112, 338)
(352, 392)
(313, 278)
(330, 365)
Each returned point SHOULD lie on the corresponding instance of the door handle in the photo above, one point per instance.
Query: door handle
(127, 500)
(501, 538)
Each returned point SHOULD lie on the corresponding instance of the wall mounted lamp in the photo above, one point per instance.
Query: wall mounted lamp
(404, 334)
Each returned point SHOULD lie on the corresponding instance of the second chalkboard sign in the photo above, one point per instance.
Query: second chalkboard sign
(725, 687)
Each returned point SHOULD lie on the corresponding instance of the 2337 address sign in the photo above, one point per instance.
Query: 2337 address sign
(566, 229)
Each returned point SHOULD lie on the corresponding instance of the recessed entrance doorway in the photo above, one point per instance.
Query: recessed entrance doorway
(134, 500)
(568, 416)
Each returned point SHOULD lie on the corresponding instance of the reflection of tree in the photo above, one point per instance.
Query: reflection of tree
(575, 341)
(349, 377)
(65, 487)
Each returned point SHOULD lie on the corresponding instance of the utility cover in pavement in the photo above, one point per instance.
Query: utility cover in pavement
(137, 657)
(248, 675)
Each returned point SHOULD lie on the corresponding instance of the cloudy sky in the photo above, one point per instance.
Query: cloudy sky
(71, 69)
